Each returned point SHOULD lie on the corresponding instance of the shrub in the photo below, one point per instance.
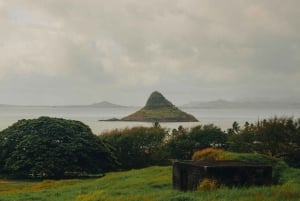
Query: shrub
(52, 147)
(207, 185)
(277, 137)
(209, 154)
(208, 136)
(137, 147)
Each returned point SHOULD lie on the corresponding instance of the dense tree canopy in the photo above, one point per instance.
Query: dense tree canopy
(183, 143)
(52, 147)
(137, 147)
(208, 136)
(276, 137)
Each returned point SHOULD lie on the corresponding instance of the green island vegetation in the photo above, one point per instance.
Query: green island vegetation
(158, 108)
(134, 163)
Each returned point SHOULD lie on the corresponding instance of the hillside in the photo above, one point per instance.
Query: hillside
(152, 183)
(158, 108)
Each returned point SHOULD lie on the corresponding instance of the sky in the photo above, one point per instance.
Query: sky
(60, 52)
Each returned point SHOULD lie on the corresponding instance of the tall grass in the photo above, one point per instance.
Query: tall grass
(211, 154)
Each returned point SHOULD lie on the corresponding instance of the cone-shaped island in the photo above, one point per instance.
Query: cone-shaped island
(159, 109)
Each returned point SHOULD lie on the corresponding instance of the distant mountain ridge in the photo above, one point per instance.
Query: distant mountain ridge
(220, 103)
(241, 104)
(103, 104)
(106, 104)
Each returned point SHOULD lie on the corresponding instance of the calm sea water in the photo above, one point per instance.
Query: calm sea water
(91, 116)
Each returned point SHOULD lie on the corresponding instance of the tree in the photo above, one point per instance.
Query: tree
(183, 143)
(53, 148)
(180, 146)
(235, 128)
(208, 136)
(277, 137)
(137, 147)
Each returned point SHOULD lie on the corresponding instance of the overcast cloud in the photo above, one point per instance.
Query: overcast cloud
(80, 52)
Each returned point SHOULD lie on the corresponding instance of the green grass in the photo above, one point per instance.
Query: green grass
(153, 183)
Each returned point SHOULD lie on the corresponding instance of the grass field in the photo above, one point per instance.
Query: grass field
(153, 183)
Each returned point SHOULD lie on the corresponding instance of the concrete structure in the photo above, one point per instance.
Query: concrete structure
(188, 174)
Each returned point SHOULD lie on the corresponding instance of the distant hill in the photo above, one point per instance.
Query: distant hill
(158, 108)
(242, 104)
(105, 104)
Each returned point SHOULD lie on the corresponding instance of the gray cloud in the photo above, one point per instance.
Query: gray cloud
(64, 52)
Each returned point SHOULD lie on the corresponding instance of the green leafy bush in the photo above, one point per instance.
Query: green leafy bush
(277, 137)
(137, 147)
(52, 147)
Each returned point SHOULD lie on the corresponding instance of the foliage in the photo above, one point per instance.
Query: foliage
(207, 185)
(208, 136)
(293, 159)
(157, 100)
(242, 140)
(183, 143)
(141, 147)
(290, 175)
(235, 128)
(277, 137)
(165, 114)
(52, 147)
(137, 147)
(209, 154)
(180, 146)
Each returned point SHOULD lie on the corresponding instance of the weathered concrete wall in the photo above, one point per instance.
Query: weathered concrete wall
(188, 174)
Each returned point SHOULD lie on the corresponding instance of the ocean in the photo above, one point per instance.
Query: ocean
(222, 117)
